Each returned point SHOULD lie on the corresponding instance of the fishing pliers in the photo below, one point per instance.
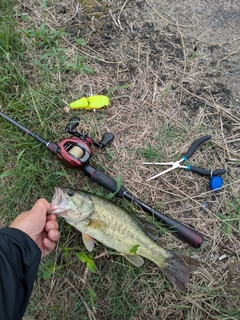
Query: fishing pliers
(189, 153)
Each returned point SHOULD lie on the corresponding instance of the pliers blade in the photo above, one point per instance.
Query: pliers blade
(159, 163)
(173, 165)
(161, 173)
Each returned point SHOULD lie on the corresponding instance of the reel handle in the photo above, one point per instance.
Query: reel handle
(73, 123)
(106, 139)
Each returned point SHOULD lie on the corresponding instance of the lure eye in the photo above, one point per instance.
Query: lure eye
(70, 193)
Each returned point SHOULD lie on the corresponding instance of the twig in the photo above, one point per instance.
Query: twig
(231, 141)
(167, 21)
(119, 22)
(212, 104)
(227, 56)
(185, 61)
(236, 39)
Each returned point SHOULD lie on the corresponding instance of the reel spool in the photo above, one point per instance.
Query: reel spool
(76, 152)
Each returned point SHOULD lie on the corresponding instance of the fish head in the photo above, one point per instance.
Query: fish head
(71, 205)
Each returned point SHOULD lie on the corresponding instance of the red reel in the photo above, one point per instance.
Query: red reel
(74, 152)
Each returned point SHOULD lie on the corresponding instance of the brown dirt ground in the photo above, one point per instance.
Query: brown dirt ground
(181, 62)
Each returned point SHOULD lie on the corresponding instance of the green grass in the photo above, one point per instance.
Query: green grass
(30, 94)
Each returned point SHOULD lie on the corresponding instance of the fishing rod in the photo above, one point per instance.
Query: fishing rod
(75, 152)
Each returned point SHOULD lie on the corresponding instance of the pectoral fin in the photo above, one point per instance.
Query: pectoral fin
(88, 241)
(134, 259)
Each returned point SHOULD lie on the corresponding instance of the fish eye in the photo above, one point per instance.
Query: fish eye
(70, 193)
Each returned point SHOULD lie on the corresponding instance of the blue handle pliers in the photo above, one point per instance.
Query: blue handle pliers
(177, 164)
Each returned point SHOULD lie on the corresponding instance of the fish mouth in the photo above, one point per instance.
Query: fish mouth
(59, 202)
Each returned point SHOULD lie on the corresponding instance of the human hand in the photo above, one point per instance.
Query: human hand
(42, 228)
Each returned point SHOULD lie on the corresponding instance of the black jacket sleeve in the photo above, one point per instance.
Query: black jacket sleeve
(19, 262)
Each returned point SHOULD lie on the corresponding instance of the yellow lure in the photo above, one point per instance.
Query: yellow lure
(90, 103)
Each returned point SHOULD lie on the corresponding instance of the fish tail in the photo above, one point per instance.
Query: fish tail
(178, 268)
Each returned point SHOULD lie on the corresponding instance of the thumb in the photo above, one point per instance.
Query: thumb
(42, 206)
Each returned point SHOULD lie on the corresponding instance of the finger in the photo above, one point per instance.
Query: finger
(41, 205)
(49, 246)
(51, 225)
(51, 217)
(53, 235)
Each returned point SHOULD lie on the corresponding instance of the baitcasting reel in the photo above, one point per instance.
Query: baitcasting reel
(75, 151)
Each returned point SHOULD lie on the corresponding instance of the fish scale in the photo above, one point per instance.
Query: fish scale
(127, 237)
(102, 220)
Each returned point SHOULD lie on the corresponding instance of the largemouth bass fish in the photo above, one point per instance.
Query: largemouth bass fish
(102, 220)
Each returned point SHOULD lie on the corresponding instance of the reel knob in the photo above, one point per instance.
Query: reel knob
(106, 139)
(73, 123)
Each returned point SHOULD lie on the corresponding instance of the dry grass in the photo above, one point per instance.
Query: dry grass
(162, 98)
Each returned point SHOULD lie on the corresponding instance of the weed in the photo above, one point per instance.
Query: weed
(44, 37)
(134, 249)
(232, 218)
(110, 92)
(86, 259)
(80, 42)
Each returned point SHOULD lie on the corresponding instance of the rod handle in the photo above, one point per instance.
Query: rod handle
(103, 180)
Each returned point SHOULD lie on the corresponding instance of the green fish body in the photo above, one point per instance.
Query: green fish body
(102, 220)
